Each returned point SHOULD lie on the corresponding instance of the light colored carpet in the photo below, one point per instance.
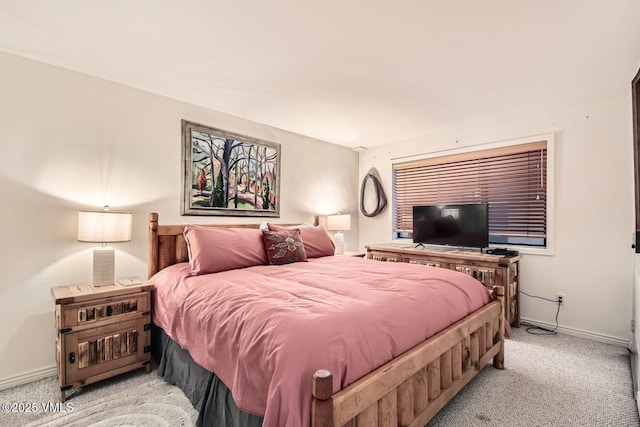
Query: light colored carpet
(556, 380)
(548, 381)
(133, 399)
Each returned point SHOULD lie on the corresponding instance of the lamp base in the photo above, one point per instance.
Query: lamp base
(338, 240)
(103, 266)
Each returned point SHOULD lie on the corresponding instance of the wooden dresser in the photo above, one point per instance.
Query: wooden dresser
(101, 332)
(491, 270)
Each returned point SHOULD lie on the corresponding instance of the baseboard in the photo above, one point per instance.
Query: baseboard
(620, 342)
(27, 377)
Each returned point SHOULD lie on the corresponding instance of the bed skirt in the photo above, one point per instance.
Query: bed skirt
(207, 393)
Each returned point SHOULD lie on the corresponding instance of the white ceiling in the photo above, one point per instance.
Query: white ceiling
(353, 72)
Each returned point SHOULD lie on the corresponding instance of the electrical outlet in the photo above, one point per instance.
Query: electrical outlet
(560, 298)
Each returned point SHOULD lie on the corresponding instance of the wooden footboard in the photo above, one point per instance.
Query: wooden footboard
(412, 388)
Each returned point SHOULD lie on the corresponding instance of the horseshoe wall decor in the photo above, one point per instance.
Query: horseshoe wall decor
(381, 198)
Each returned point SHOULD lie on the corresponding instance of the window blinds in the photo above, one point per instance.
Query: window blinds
(512, 180)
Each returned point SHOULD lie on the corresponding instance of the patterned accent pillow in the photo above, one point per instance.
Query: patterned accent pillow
(283, 247)
(317, 242)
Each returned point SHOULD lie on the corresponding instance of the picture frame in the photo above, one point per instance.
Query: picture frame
(228, 174)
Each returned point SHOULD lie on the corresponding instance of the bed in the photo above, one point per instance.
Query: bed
(403, 389)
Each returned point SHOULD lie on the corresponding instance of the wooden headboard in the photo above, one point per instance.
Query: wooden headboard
(167, 245)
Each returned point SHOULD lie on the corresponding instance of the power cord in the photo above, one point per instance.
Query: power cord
(539, 330)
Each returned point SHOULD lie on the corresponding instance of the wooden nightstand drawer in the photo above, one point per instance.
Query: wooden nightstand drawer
(92, 352)
(95, 313)
(101, 332)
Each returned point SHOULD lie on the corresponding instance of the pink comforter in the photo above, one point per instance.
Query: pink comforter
(264, 330)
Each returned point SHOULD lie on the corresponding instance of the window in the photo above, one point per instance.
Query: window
(511, 179)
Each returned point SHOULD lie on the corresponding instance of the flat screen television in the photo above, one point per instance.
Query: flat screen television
(464, 225)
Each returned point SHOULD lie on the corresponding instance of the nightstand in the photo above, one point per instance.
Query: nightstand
(353, 254)
(101, 331)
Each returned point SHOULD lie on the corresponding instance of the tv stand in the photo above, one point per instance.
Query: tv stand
(419, 245)
(489, 269)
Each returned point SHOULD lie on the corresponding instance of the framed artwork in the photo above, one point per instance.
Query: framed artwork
(229, 174)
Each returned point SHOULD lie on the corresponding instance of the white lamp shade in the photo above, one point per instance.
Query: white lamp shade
(104, 227)
(339, 222)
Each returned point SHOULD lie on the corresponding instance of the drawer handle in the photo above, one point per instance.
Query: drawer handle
(72, 357)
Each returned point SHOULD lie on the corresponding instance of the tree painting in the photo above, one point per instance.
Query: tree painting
(202, 181)
(228, 174)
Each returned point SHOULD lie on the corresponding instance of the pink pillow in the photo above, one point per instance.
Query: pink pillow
(283, 247)
(317, 242)
(213, 249)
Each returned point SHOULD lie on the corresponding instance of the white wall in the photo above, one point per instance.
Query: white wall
(593, 262)
(69, 141)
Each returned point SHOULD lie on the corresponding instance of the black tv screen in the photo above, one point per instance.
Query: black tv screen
(465, 225)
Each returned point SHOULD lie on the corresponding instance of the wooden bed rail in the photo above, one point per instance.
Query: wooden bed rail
(413, 387)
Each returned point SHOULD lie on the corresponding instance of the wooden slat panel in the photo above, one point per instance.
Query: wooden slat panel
(475, 351)
(350, 423)
(456, 361)
(482, 336)
(166, 251)
(446, 373)
(433, 370)
(368, 417)
(182, 254)
(489, 336)
(388, 410)
(405, 402)
(169, 230)
(420, 390)
(466, 353)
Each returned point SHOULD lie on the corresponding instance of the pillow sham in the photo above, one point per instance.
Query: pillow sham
(316, 240)
(283, 247)
(214, 249)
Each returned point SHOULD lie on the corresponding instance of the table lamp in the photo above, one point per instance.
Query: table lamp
(339, 223)
(104, 227)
